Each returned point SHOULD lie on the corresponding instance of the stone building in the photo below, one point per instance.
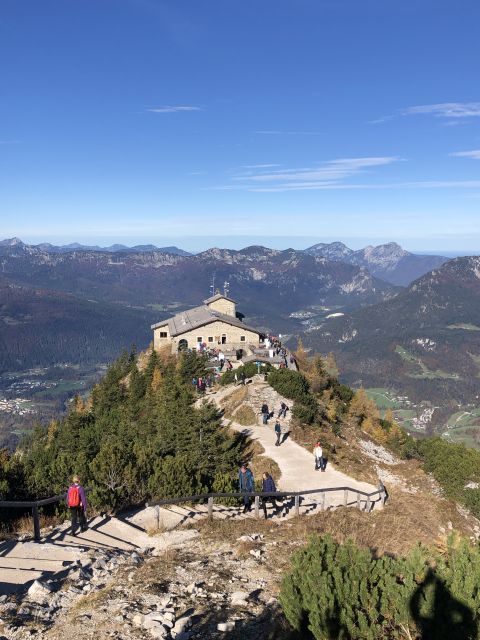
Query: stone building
(216, 324)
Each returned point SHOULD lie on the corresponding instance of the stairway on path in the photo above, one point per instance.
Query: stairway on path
(296, 463)
(58, 551)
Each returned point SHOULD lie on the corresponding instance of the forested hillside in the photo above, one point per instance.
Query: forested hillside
(138, 436)
(41, 328)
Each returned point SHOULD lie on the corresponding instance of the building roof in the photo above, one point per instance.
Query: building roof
(198, 317)
(218, 296)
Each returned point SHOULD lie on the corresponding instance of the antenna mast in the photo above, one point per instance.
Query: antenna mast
(212, 286)
(226, 288)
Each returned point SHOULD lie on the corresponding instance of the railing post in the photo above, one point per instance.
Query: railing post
(297, 505)
(367, 507)
(36, 523)
(210, 507)
(358, 501)
(345, 497)
(257, 506)
(324, 497)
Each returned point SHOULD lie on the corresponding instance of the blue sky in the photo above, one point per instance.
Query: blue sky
(222, 122)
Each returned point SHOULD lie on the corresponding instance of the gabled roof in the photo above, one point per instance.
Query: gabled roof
(198, 317)
(218, 296)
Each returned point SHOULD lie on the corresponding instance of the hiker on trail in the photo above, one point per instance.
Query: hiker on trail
(242, 377)
(265, 413)
(246, 484)
(278, 432)
(283, 410)
(319, 459)
(268, 485)
(77, 503)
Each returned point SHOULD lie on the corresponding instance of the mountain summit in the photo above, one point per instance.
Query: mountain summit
(389, 262)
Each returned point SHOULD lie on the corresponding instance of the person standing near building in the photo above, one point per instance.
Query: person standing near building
(319, 460)
(246, 485)
(77, 503)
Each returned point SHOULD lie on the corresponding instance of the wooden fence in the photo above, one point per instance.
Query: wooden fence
(380, 495)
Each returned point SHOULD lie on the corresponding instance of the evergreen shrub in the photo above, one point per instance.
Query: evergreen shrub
(342, 591)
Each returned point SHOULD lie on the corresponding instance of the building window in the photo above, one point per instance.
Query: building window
(242, 338)
(210, 338)
(200, 339)
(163, 334)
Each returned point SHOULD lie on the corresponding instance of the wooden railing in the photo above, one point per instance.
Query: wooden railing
(34, 505)
(380, 495)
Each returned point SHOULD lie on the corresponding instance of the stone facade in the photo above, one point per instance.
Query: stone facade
(214, 324)
(223, 305)
(216, 334)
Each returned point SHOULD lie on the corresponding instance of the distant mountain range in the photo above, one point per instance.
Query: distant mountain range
(75, 246)
(425, 341)
(388, 262)
(83, 286)
(267, 283)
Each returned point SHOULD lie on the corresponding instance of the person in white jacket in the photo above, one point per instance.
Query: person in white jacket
(318, 454)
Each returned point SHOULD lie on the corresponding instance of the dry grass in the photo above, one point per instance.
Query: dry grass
(405, 521)
(258, 462)
(245, 546)
(245, 416)
(233, 401)
(91, 601)
(24, 525)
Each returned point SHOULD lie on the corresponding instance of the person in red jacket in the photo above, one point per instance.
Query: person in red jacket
(77, 503)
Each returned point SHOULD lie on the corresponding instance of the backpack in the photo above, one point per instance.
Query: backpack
(73, 496)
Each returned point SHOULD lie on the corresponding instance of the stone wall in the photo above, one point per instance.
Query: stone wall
(224, 306)
(214, 330)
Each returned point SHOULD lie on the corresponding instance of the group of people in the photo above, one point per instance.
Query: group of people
(202, 383)
(77, 500)
(246, 483)
(279, 429)
(239, 378)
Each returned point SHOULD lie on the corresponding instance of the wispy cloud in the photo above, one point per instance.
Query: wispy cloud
(474, 154)
(173, 109)
(9, 141)
(342, 186)
(330, 174)
(453, 113)
(261, 166)
(276, 132)
(446, 110)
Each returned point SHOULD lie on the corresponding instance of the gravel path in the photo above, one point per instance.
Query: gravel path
(296, 463)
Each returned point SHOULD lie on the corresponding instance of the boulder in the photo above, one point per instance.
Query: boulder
(39, 592)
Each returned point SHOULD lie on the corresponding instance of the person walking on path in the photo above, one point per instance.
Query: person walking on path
(268, 485)
(77, 503)
(265, 413)
(283, 410)
(242, 377)
(246, 484)
(319, 460)
(278, 432)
